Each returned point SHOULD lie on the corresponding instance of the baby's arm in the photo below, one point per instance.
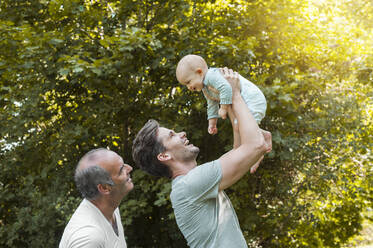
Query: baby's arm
(212, 115)
(225, 90)
(225, 94)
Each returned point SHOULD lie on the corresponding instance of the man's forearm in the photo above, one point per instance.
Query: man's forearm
(248, 128)
(237, 162)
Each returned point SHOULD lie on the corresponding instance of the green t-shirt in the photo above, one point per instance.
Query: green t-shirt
(204, 215)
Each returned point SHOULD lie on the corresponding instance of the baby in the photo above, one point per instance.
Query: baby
(192, 71)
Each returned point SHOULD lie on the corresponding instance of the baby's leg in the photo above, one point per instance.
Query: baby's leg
(268, 139)
(256, 165)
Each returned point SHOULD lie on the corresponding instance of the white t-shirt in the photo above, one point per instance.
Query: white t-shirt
(89, 228)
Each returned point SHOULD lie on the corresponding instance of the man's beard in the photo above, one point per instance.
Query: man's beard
(191, 154)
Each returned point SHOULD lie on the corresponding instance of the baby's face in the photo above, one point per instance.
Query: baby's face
(192, 80)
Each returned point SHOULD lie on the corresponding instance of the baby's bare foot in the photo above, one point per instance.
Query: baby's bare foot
(254, 167)
(268, 139)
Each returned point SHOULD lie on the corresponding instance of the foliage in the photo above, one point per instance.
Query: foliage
(79, 74)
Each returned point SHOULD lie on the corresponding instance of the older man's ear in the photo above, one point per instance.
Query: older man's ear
(104, 189)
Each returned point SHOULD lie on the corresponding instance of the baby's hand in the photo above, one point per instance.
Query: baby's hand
(212, 129)
(222, 113)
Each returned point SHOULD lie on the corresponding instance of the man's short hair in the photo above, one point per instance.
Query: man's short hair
(146, 148)
(88, 178)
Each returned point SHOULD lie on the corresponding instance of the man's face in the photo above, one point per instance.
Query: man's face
(177, 145)
(120, 174)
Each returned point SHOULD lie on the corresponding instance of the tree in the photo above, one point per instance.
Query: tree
(77, 74)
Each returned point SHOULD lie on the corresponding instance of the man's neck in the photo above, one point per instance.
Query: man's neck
(183, 168)
(106, 209)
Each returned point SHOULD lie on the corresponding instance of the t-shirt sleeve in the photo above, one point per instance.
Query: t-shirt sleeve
(87, 237)
(212, 109)
(202, 183)
(222, 85)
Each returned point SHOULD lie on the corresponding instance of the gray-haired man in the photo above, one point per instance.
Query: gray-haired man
(103, 179)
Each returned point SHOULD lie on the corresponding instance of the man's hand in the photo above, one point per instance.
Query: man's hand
(233, 79)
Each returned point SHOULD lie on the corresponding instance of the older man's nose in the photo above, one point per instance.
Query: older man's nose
(129, 168)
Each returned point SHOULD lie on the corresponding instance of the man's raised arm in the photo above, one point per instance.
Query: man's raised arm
(237, 162)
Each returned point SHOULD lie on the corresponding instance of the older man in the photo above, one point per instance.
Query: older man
(103, 179)
(203, 211)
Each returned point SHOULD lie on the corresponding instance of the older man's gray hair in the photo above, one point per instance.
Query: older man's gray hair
(88, 178)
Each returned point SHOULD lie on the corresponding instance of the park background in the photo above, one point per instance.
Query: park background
(81, 74)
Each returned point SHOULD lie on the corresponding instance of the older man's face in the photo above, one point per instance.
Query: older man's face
(120, 174)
